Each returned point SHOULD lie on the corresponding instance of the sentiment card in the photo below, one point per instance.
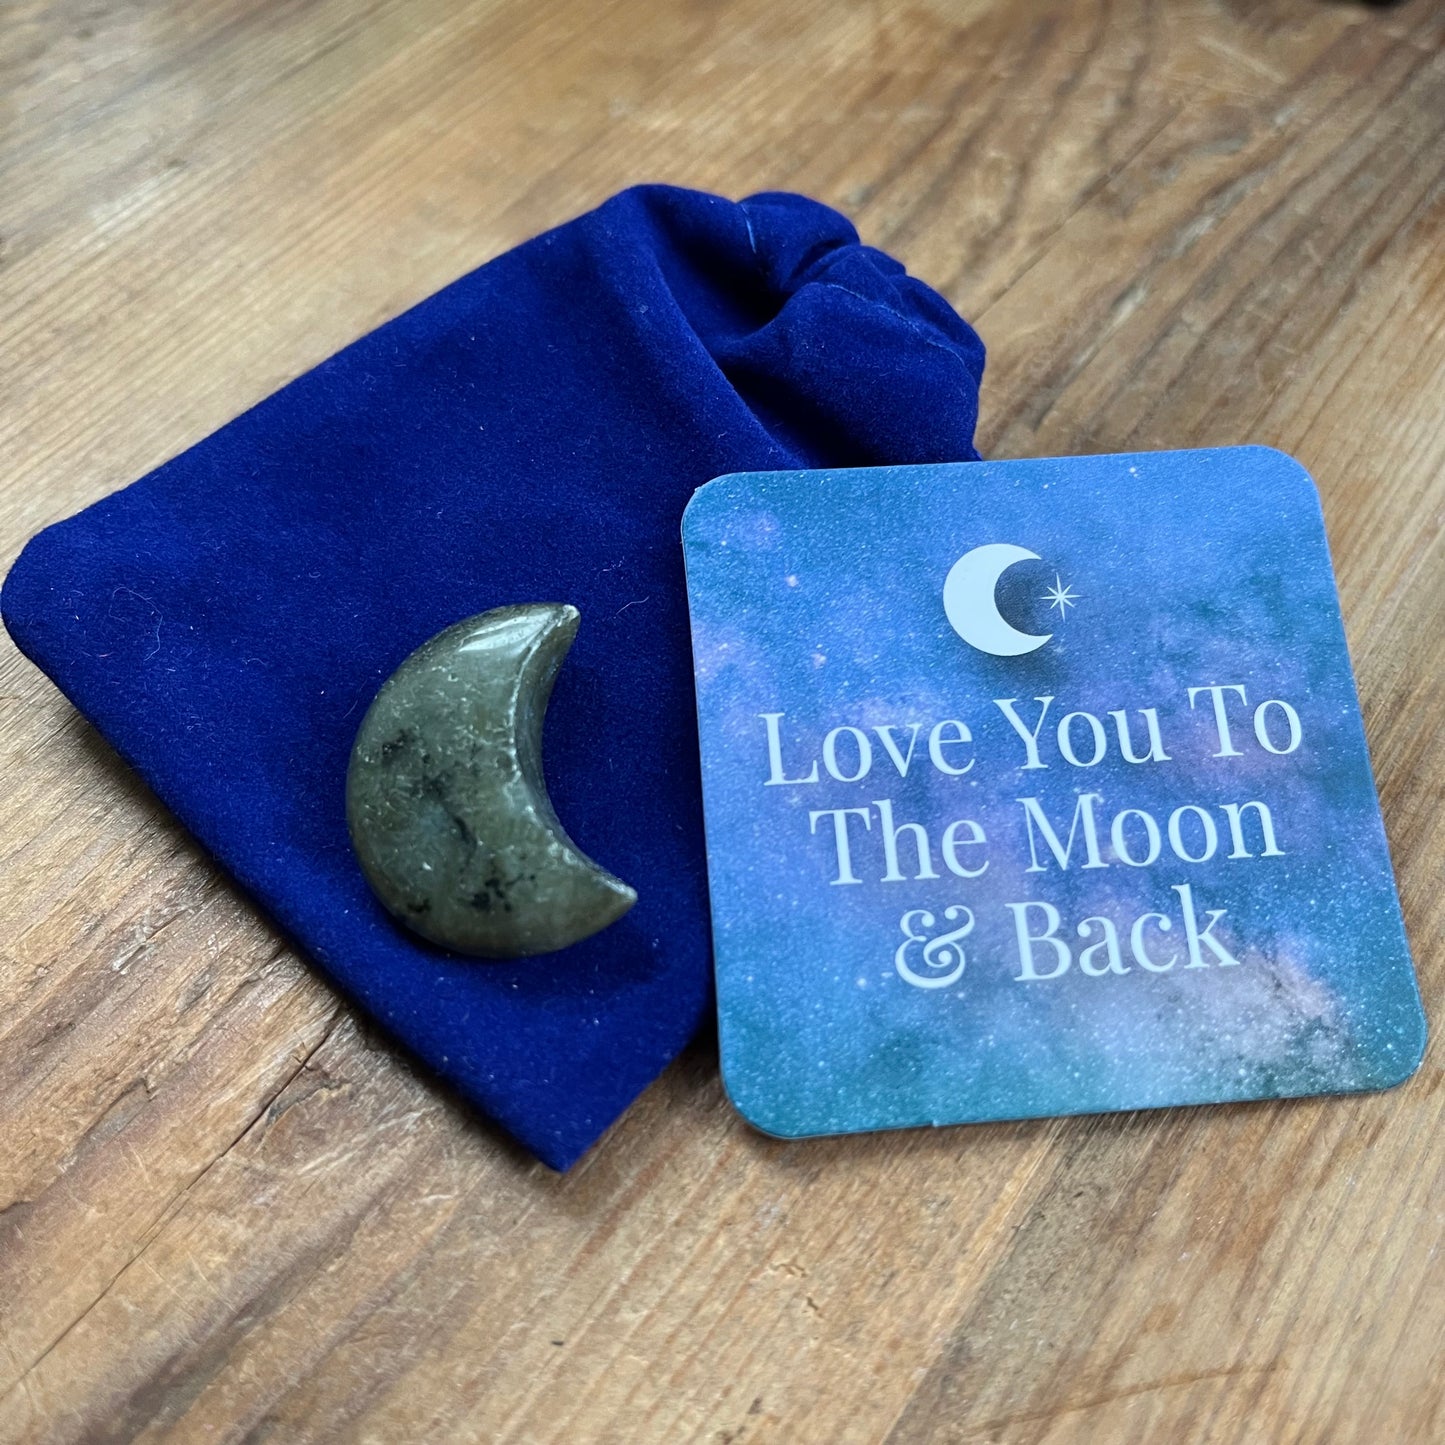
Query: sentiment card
(1037, 788)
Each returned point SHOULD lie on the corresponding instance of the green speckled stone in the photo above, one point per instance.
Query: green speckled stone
(446, 802)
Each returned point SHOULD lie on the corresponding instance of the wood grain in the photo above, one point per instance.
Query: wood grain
(230, 1213)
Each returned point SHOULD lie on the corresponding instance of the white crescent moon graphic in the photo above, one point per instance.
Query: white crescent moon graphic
(968, 599)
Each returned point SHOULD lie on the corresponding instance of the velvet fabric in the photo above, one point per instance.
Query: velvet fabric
(530, 433)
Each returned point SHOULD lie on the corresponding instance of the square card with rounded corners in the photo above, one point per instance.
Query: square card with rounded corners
(1034, 788)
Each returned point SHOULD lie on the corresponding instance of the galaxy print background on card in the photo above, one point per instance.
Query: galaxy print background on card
(1037, 788)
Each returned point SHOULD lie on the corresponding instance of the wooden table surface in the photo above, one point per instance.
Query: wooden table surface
(228, 1210)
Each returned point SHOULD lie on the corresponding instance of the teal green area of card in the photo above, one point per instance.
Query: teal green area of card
(1037, 788)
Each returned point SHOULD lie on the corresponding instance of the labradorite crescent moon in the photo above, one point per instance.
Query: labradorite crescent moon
(446, 801)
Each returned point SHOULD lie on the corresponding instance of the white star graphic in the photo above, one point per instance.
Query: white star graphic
(1061, 597)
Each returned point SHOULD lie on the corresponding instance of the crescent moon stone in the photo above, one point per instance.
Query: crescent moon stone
(446, 801)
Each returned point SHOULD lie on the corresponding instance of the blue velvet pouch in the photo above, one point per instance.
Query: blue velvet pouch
(530, 433)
